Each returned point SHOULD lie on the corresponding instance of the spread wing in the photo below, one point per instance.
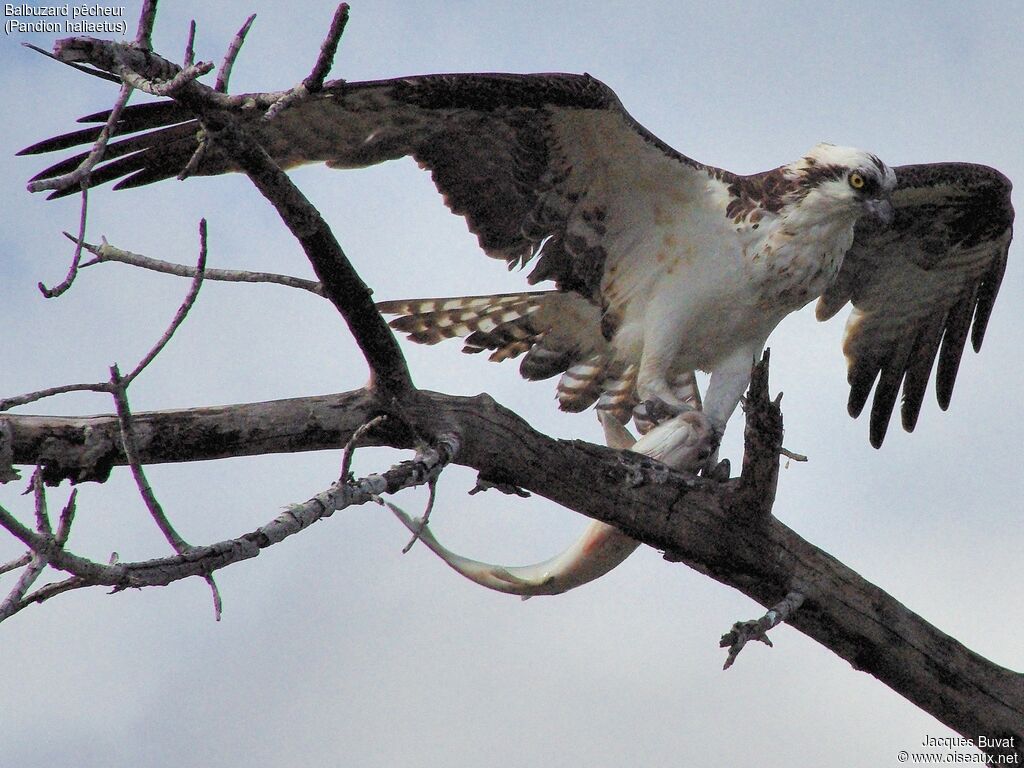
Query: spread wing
(917, 286)
(539, 165)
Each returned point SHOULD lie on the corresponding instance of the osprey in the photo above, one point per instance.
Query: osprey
(661, 265)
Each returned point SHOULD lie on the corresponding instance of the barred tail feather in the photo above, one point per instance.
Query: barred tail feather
(580, 385)
(490, 322)
(555, 332)
(619, 394)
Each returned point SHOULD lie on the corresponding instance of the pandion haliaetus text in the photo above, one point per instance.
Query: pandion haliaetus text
(661, 265)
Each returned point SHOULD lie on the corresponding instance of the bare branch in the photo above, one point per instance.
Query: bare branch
(197, 157)
(34, 561)
(106, 252)
(762, 440)
(698, 521)
(15, 564)
(224, 73)
(147, 18)
(39, 492)
(197, 278)
(12, 402)
(190, 52)
(77, 255)
(757, 629)
(44, 593)
(179, 316)
(117, 385)
(67, 517)
(315, 81)
(204, 560)
(164, 87)
(350, 447)
(86, 448)
(119, 391)
(80, 176)
(791, 455)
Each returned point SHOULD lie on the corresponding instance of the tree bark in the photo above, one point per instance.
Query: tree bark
(721, 529)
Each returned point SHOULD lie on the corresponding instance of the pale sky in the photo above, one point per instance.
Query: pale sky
(334, 648)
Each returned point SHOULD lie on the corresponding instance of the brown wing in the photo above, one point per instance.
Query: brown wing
(514, 154)
(917, 285)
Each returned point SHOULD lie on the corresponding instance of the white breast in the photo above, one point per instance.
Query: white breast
(719, 286)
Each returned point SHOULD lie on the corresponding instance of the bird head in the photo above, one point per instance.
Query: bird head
(848, 180)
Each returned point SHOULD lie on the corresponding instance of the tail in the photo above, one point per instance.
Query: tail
(556, 333)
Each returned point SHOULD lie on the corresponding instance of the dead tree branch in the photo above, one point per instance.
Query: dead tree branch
(341, 284)
(703, 523)
(105, 252)
(202, 561)
(743, 632)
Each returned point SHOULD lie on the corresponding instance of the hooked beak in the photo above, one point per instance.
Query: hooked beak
(881, 211)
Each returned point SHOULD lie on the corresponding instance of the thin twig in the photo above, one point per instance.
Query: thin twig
(202, 142)
(197, 274)
(190, 52)
(17, 563)
(183, 309)
(37, 560)
(47, 591)
(80, 175)
(423, 520)
(147, 18)
(165, 87)
(109, 253)
(757, 629)
(224, 73)
(76, 257)
(156, 511)
(314, 81)
(67, 517)
(350, 447)
(42, 394)
(790, 455)
(39, 494)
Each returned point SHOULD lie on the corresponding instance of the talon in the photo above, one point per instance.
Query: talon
(683, 442)
(719, 472)
(655, 411)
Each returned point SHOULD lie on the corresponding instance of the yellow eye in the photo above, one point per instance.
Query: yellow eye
(856, 180)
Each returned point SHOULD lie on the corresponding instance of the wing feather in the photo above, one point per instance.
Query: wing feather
(492, 142)
(917, 286)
